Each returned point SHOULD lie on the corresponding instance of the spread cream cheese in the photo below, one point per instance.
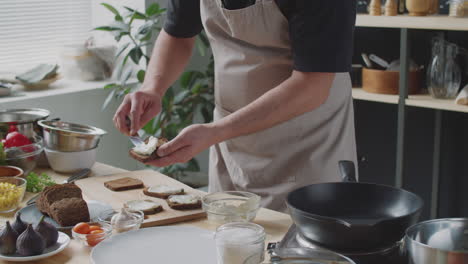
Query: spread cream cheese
(141, 205)
(148, 148)
(165, 189)
(184, 199)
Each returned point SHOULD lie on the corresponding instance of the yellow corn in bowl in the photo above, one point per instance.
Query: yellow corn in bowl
(12, 191)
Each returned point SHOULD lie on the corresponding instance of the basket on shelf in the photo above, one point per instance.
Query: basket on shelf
(387, 82)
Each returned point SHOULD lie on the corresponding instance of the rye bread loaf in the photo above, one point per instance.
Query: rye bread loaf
(148, 158)
(69, 211)
(55, 193)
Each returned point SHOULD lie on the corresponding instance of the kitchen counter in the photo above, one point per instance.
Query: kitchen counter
(275, 223)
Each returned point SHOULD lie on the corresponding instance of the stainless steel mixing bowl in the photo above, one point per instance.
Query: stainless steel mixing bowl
(25, 120)
(70, 137)
(440, 241)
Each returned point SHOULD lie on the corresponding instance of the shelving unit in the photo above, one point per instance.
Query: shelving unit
(406, 24)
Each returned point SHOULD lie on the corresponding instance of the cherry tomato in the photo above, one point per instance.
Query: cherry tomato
(15, 139)
(94, 228)
(98, 231)
(94, 240)
(81, 228)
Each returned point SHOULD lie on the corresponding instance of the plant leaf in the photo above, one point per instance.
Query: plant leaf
(107, 28)
(111, 8)
(135, 14)
(108, 100)
(141, 76)
(110, 85)
(135, 54)
(153, 9)
(181, 96)
(200, 47)
(127, 74)
(185, 79)
(122, 49)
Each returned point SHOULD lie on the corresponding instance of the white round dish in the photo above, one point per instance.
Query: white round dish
(62, 243)
(69, 162)
(168, 244)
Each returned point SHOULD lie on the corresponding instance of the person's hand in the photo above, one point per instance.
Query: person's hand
(140, 107)
(191, 141)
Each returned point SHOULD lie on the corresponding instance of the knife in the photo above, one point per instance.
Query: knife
(76, 176)
(136, 140)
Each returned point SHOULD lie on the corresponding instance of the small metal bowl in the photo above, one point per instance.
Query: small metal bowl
(70, 137)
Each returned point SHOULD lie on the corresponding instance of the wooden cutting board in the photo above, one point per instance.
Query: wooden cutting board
(93, 189)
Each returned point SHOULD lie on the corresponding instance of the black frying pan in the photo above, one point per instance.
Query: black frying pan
(350, 216)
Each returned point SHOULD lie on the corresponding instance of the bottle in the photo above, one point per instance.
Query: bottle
(391, 7)
(375, 8)
(452, 72)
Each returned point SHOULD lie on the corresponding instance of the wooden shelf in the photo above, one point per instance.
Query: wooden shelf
(420, 100)
(360, 94)
(438, 22)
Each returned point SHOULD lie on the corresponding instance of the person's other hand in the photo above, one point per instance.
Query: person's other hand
(191, 141)
(140, 107)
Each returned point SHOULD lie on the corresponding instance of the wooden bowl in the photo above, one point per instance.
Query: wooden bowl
(11, 171)
(388, 82)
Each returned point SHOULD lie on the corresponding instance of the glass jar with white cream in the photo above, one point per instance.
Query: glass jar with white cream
(237, 242)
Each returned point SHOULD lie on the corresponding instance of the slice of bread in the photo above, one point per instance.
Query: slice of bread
(184, 202)
(55, 193)
(148, 207)
(152, 156)
(124, 184)
(69, 211)
(162, 191)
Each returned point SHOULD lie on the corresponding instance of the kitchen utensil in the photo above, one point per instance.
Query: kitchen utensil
(94, 239)
(387, 82)
(93, 189)
(69, 162)
(11, 195)
(440, 241)
(168, 244)
(366, 60)
(231, 206)
(418, 7)
(70, 137)
(62, 243)
(351, 216)
(31, 214)
(136, 141)
(11, 171)
(76, 176)
(25, 157)
(303, 256)
(25, 120)
(381, 62)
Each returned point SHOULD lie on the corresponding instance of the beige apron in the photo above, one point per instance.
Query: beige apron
(252, 54)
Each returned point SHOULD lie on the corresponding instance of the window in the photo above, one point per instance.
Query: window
(34, 31)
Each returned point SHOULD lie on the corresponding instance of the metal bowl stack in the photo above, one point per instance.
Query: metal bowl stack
(70, 147)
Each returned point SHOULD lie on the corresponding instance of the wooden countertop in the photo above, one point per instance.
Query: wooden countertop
(275, 223)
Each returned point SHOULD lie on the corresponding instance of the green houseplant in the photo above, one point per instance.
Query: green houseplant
(191, 102)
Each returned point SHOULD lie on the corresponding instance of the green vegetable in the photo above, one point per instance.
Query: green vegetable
(36, 183)
(2, 155)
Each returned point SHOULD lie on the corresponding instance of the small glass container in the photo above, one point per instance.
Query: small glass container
(239, 241)
(457, 8)
(11, 193)
(123, 221)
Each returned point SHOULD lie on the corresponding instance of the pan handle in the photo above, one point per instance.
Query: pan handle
(348, 170)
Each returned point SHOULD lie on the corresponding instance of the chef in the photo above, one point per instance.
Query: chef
(284, 113)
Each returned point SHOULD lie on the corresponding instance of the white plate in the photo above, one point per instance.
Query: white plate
(31, 214)
(62, 243)
(168, 244)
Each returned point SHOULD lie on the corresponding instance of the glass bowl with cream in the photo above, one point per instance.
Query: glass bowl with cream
(231, 206)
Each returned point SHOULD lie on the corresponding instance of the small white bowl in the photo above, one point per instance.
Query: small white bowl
(69, 162)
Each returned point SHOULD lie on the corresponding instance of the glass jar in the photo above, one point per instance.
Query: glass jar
(237, 242)
(457, 8)
(452, 72)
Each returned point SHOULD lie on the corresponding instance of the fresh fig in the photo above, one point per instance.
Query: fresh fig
(30, 242)
(47, 231)
(19, 225)
(8, 240)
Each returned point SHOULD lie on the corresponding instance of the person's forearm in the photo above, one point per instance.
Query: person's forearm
(168, 60)
(301, 93)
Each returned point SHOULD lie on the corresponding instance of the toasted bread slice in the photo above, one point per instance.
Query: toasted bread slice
(152, 156)
(124, 184)
(184, 202)
(148, 207)
(162, 191)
